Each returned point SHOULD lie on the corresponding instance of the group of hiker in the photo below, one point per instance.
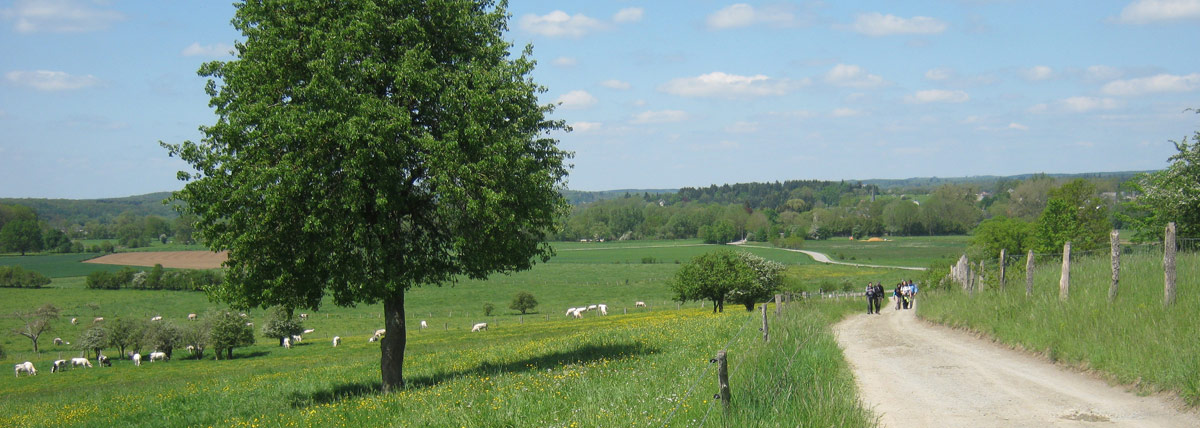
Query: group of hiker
(904, 294)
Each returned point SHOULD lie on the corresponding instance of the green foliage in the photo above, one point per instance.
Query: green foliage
(57, 241)
(1076, 213)
(93, 339)
(1170, 195)
(126, 333)
(105, 280)
(712, 277)
(280, 325)
(106, 247)
(21, 236)
(791, 242)
(999, 233)
(487, 309)
(18, 277)
(162, 336)
(228, 332)
(523, 301)
(720, 232)
(198, 335)
(766, 277)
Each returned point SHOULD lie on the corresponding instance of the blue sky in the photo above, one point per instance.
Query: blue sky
(665, 94)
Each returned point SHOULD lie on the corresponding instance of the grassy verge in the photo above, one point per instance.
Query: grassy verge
(1134, 340)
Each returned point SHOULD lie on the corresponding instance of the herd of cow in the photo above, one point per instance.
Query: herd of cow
(60, 365)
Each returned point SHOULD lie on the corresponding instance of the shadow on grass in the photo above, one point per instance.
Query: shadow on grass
(583, 354)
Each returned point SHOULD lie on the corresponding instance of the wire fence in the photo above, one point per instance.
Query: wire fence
(707, 367)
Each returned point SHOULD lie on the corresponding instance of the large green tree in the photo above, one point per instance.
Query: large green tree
(1002, 233)
(1074, 212)
(363, 148)
(711, 276)
(21, 236)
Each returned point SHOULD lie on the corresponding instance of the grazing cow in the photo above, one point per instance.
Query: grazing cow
(381, 332)
(591, 307)
(243, 314)
(191, 349)
(639, 304)
(287, 343)
(303, 316)
(73, 321)
(103, 361)
(337, 340)
(249, 324)
(191, 317)
(26, 367)
(158, 356)
(156, 319)
(571, 312)
(97, 319)
(603, 309)
(59, 365)
(76, 362)
(137, 359)
(373, 338)
(58, 341)
(479, 327)
(309, 331)
(424, 325)
(296, 338)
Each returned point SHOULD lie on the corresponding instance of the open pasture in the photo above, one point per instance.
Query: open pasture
(58, 265)
(918, 251)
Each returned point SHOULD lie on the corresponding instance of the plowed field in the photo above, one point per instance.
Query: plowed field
(168, 259)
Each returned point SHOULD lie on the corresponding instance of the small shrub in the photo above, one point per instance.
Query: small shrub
(649, 260)
(487, 309)
(523, 302)
(18, 277)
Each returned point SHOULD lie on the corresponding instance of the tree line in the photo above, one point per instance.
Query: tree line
(156, 279)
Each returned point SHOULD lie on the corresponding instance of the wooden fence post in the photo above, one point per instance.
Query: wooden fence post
(1064, 281)
(1115, 245)
(1169, 265)
(764, 317)
(1003, 264)
(722, 379)
(970, 281)
(1029, 274)
(981, 284)
(778, 307)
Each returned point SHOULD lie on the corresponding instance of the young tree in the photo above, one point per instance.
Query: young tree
(488, 308)
(1073, 213)
(21, 236)
(363, 148)
(711, 276)
(36, 323)
(92, 339)
(281, 325)
(523, 302)
(162, 336)
(998, 233)
(229, 330)
(197, 334)
(763, 283)
(126, 333)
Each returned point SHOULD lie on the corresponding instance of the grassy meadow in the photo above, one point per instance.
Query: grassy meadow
(643, 367)
(1132, 341)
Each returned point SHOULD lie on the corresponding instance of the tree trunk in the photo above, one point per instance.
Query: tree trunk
(392, 361)
(229, 353)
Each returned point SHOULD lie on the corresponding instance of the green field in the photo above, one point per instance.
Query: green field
(646, 367)
(916, 251)
(59, 265)
(1132, 341)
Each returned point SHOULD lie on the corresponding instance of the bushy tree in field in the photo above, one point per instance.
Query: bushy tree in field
(21, 236)
(1170, 195)
(764, 281)
(711, 276)
(523, 301)
(162, 336)
(93, 339)
(997, 233)
(280, 324)
(487, 309)
(36, 323)
(57, 241)
(1076, 213)
(126, 333)
(17, 277)
(197, 334)
(228, 331)
(363, 148)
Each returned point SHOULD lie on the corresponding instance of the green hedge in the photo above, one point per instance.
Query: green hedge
(18, 277)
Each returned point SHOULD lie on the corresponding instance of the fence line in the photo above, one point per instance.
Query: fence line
(696, 382)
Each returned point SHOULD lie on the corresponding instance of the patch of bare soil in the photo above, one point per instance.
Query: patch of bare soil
(168, 259)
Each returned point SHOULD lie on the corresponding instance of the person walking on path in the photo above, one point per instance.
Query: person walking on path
(897, 296)
(878, 296)
(870, 293)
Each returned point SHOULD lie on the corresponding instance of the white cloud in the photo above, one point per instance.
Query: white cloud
(560, 24)
(877, 24)
(213, 50)
(629, 14)
(1149, 11)
(938, 74)
(45, 80)
(60, 16)
(565, 61)
(585, 126)
(1038, 72)
(1018, 126)
(718, 84)
(1039, 108)
(852, 76)
(576, 100)
(616, 84)
(1085, 144)
(1153, 84)
(845, 112)
(1086, 104)
(1102, 72)
(742, 127)
(662, 116)
(937, 96)
(744, 15)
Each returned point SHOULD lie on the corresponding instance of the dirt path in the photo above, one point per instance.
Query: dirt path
(824, 258)
(915, 374)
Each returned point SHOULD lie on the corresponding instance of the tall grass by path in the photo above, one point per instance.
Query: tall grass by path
(1132, 341)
